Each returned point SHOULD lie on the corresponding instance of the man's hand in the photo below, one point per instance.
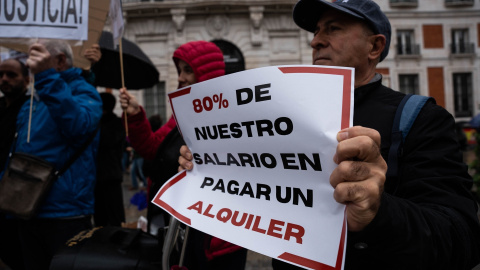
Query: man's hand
(360, 176)
(185, 159)
(128, 102)
(93, 54)
(40, 59)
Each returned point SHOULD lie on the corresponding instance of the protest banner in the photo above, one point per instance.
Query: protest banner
(60, 19)
(23, 21)
(263, 142)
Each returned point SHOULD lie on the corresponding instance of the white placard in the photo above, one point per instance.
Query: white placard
(263, 142)
(57, 19)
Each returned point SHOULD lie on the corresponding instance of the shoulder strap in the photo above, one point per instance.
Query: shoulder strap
(77, 153)
(69, 161)
(407, 112)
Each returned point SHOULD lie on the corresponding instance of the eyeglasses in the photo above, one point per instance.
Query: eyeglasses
(10, 74)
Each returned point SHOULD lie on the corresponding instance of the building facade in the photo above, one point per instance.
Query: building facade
(435, 48)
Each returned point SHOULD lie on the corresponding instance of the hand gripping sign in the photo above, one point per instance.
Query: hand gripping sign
(263, 142)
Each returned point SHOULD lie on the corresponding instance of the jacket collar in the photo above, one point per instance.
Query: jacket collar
(71, 74)
(363, 91)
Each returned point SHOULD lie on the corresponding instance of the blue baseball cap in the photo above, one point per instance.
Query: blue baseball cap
(306, 14)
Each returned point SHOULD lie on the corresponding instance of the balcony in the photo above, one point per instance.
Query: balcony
(462, 49)
(403, 3)
(459, 3)
(408, 50)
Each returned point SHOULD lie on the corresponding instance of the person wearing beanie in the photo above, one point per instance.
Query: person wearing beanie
(196, 61)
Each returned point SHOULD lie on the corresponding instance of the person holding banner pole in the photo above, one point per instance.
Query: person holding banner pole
(424, 217)
(196, 61)
(66, 113)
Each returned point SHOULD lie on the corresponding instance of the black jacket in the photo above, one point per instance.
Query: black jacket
(8, 122)
(110, 149)
(164, 166)
(427, 217)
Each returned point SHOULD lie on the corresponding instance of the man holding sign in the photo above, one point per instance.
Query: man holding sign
(425, 218)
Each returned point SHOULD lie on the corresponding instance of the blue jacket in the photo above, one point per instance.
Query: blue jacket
(66, 110)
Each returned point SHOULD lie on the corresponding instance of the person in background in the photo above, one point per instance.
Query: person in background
(196, 61)
(67, 113)
(127, 157)
(136, 171)
(109, 209)
(14, 80)
(425, 217)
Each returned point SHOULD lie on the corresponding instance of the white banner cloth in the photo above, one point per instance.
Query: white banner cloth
(116, 19)
(57, 19)
(263, 142)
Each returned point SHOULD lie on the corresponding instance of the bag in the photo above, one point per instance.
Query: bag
(27, 180)
(25, 184)
(110, 248)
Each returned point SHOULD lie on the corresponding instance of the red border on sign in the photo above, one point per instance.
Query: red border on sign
(317, 265)
(167, 207)
(347, 84)
(173, 95)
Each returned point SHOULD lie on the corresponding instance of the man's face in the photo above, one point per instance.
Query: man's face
(340, 40)
(12, 81)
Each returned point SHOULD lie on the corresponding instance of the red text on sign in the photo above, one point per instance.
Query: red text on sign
(276, 228)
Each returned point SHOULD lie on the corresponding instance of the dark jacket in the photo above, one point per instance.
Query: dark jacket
(109, 209)
(110, 149)
(8, 118)
(165, 165)
(427, 217)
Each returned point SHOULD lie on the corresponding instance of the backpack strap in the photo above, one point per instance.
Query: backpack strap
(407, 112)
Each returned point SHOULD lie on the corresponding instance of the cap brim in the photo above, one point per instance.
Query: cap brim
(306, 13)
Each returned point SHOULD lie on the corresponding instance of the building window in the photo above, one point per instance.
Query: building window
(155, 101)
(403, 3)
(462, 89)
(452, 3)
(461, 42)
(406, 43)
(408, 83)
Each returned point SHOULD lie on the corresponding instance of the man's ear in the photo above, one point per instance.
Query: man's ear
(378, 44)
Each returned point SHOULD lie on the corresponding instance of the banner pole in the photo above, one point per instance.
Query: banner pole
(32, 88)
(123, 79)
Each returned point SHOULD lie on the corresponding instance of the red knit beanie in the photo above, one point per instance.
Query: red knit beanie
(205, 58)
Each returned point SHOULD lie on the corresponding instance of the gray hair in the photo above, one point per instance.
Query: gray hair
(55, 47)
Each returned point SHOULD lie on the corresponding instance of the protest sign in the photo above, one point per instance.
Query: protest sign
(94, 19)
(263, 142)
(60, 19)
